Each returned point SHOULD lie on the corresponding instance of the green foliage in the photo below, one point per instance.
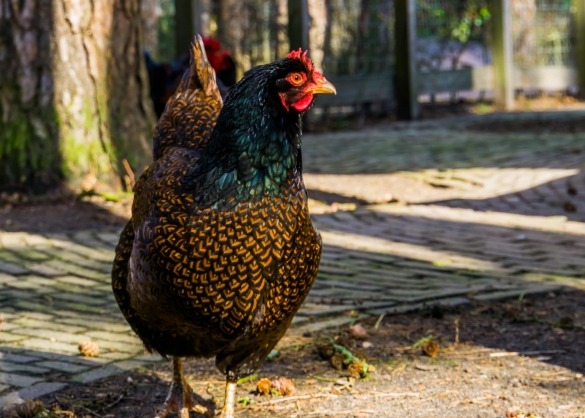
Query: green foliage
(166, 32)
(423, 340)
(460, 20)
(247, 379)
(350, 358)
(245, 401)
(473, 20)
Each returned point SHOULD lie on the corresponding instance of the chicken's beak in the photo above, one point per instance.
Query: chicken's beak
(322, 86)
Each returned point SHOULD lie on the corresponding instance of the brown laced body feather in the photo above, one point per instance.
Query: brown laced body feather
(200, 281)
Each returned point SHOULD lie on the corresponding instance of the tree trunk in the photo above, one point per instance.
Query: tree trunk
(73, 94)
(149, 14)
(231, 31)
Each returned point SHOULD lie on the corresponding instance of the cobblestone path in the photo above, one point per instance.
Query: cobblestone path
(411, 216)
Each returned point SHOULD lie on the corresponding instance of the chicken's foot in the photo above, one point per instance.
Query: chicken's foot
(180, 400)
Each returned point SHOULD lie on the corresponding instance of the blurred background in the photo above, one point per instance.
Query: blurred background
(82, 84)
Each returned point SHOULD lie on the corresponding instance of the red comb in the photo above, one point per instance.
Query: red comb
(211, 43)
(302, 56)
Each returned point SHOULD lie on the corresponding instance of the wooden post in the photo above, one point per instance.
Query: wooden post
(298, 24)
(502, 53)
(579, 7)
(184, 27)
(198, 9)
(405, 80)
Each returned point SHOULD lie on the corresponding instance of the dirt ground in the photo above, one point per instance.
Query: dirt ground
(507, 359)
(513, 359)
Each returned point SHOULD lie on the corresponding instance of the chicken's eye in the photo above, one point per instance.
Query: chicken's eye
(296, 79)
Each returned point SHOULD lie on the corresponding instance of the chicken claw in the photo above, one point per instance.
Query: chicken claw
(179, 400)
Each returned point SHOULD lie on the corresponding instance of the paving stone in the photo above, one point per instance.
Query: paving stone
(123, 347)
(77, 281)
(513, 293)
(32, 254)
(115, 337)
(44, 270)
(96, 374)
(324, 310)
(47, 345)
(17, 358)
(100, 325)
(149, 357)
(81, 308)
(13, 239)
(36, 240)
(32, 306)
(116, 356)
(12, 268)
(52, 335)
(80, 298)
(326, 324)
(108, 238)
(399, 309)
(74, 358)
(32, 392)
(5, 278)
(63, 366)
(7, 337)
(13, 379)
(9, 367)
(76, 270)
(26, 282)
(129, 364)
(299, 320)
(48, 324)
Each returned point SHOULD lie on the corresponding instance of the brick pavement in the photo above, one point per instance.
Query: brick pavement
(474, 216)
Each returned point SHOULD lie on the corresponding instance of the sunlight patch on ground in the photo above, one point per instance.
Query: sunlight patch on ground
(434, 185)
(557, 224)
(354, 241)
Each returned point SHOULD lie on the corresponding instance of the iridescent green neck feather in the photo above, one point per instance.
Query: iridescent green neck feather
(255, 146)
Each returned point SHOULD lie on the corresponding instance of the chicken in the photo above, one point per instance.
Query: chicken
(164, 78)
(187, 121)
(221, 252)
(222, 62)
(191, 113)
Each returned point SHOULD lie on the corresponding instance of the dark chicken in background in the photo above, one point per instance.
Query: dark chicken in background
(222, 62)
(164, 78)
(220, 252)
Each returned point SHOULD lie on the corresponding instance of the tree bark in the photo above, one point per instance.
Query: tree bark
(73, 94)
(232, 31)
(149, 14)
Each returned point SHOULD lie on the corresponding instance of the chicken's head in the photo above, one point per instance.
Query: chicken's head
(302, 81)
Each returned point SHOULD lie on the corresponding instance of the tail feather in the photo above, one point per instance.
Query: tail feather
(200, 74)
(191, 113)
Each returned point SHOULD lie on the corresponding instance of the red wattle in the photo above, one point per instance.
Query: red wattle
(304, 103)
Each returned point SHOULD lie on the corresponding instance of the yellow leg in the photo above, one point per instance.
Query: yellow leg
(179, 400)
(230, 400)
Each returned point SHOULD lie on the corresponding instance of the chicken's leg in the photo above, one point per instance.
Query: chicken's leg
(179, 399)
(230, 400)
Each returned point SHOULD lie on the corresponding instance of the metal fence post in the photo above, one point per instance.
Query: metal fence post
(579, 7)
(502, 53)
(405, 80)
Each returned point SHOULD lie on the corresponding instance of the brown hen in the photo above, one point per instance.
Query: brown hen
(221, 252)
